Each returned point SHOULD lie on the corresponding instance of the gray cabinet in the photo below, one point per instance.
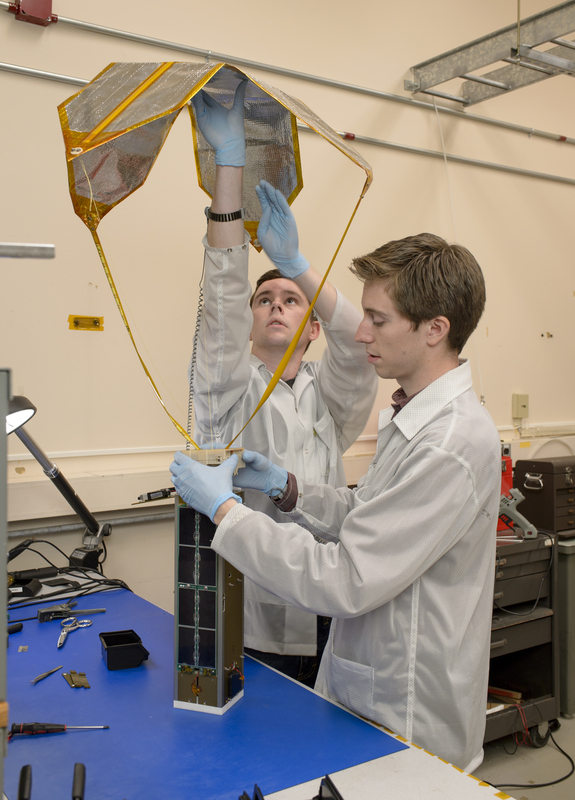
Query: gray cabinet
(566, 624)
(524, 636)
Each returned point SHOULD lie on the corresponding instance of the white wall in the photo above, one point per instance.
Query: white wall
(97, 415)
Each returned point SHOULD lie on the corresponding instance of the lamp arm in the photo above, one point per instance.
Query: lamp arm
(52, 471)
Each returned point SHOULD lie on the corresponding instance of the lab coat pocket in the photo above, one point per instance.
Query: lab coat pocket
(352, 684)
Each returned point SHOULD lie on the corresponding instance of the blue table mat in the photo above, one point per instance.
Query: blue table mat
(278, 735)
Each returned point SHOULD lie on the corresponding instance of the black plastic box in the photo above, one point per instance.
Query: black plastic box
(122, 649)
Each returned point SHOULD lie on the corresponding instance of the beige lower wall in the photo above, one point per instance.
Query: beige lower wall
(141, 554)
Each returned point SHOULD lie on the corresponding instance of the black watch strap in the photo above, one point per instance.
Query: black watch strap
(224, 217)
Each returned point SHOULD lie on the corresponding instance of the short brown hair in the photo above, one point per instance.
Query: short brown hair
(272, 275)
(426, 277)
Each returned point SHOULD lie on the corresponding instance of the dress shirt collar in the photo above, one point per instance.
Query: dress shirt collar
(429, 401)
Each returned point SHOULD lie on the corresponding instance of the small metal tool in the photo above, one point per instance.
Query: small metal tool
(45, 674)
(71, 624)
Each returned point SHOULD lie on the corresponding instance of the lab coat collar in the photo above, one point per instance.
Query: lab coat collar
(303, 377)
(429, 402)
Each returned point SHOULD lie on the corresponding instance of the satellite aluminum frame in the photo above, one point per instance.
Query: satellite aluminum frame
(208, 611)
(502, 45)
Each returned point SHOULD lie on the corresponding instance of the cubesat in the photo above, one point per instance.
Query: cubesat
(209, 612)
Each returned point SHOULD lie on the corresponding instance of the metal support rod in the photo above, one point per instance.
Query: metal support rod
(51, 471)
(134, 519)
(17, 250)
(518, 63)
(40, 73)
(486, 81)
(546, 58)
(462, 160)
(453, 97)
(564, 43)
(212, 55)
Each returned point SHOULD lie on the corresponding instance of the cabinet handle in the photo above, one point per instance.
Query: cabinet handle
(498, 595)
(533, 481)
(498, 576)
(500, 643)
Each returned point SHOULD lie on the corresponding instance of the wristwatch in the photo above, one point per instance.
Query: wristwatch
(240, 214)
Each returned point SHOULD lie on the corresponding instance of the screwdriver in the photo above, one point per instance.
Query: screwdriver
(33, 728)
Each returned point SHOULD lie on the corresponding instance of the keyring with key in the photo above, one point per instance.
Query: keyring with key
(71, 624)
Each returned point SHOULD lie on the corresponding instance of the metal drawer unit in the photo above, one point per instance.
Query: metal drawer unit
(524, 642)
(566, 620)
(548, 485)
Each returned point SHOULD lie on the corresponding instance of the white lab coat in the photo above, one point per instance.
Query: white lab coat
(408, 575)
(305, 428)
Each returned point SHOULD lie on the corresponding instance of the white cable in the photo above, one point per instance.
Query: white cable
(472, 337)
(446, 172)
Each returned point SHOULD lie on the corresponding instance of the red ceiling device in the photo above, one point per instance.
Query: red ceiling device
(38, 12)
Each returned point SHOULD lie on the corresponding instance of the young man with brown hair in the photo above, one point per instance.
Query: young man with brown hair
(407, 572)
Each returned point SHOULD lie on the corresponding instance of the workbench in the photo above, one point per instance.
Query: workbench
(279, 735)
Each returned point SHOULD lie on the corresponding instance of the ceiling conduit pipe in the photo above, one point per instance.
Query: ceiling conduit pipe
(211, 55)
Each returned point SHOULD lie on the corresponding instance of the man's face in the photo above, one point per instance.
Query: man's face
(278, 309)
(394, 348)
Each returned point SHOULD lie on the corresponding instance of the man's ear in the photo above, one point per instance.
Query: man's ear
(438, 331)
(315, 331)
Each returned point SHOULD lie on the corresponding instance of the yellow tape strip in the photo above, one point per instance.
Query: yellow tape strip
(98, 244)
(293, 344)
(157, 73)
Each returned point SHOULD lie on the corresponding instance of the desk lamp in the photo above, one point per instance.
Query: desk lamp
(19, 412)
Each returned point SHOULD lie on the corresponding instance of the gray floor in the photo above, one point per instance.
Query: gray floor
(528, 765)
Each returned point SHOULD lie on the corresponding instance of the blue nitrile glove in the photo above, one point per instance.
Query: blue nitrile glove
(277, 232)
(262, 474)
(223, 128)
(201, 487)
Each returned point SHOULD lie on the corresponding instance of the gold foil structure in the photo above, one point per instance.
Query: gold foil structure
(115, 127)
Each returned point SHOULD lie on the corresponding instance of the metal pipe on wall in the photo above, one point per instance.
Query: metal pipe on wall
(353, 137)
(134, 519)
(210, 55)
(462, 159)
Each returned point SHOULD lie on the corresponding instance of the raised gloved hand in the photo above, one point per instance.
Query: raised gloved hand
(201, 487)
(277, 232)
(223, 128)
(262, 474)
